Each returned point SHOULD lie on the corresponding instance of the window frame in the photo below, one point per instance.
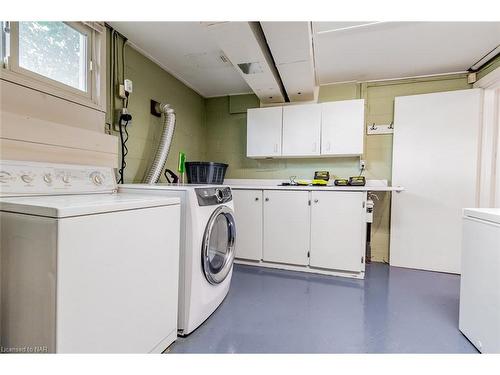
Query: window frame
(94, 97)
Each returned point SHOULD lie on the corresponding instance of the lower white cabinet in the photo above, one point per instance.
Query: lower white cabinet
(248, 215)
(338, 230)
(287, 227)
(315, 231)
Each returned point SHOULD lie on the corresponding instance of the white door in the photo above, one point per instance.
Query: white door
(287, 225)
(435, 158)
(342, 127)
(248, 214)
(264, 132)
(301, 130)
(338, 230)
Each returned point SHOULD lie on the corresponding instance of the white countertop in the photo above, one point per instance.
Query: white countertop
(249, 184)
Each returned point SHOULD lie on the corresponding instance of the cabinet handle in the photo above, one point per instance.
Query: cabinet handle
(256, 199)
(275, 147)
(267, 199)
(328, 145)
(316, 201)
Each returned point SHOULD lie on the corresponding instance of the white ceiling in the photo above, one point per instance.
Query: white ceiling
(343, 51)
(387, 50)
(186, 50)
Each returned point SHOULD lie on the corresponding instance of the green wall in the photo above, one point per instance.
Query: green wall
(150, 81)
(215, 129)
(227, 140)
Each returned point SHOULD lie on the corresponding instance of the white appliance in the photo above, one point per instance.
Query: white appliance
(208, 234)
(84, 269)
(435, 158)
(480, 279)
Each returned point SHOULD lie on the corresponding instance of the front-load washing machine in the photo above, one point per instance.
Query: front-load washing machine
(208, 234)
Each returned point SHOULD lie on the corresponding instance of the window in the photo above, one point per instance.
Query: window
(54, 50)
(59, 58)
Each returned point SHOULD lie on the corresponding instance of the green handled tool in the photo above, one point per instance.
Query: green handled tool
(181, 166)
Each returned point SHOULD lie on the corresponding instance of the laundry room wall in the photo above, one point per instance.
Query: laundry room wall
(226, 136)
(150, 81)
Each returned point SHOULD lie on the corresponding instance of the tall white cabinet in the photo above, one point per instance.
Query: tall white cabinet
(342, 127)
(264, 127)
(286, 226)
(435, 157)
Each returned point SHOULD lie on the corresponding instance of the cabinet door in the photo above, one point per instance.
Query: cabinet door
(301, 130)
(264, 127)
(338, 230)
(342, 127)
(287, 226)
(248, 215)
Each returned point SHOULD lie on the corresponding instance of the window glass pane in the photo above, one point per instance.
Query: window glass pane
(54, 50)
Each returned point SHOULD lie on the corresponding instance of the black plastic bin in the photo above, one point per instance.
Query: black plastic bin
(205, 172)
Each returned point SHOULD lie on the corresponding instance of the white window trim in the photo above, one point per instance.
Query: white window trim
(490, 142)
(94, 97)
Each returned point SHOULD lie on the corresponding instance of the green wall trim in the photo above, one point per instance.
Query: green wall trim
(433, 78)
(489, 67)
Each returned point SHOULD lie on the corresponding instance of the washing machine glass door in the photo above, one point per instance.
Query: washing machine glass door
(218, 245)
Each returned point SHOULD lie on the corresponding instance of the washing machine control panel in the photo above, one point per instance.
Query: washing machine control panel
(212, 196)
(33, 178)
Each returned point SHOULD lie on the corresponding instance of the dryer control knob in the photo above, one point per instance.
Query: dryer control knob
(219, 195)
(97, 178)
(26, 178)
(4, 176)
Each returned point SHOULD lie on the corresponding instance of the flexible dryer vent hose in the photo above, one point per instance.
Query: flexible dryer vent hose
(156, 168)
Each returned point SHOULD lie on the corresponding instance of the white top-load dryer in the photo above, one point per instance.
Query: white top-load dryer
(208, 235)
(85, 269)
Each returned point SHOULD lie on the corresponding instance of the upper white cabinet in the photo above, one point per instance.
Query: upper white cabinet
(264, 126)
(308, 130)
(301, 130)
(342, 127)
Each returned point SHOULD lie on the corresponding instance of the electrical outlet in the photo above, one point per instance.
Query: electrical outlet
(122, 115)
(128, 86)
(362, 164)
(121, 92)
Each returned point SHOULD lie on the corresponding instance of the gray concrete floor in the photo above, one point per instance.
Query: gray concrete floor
(394, 310)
